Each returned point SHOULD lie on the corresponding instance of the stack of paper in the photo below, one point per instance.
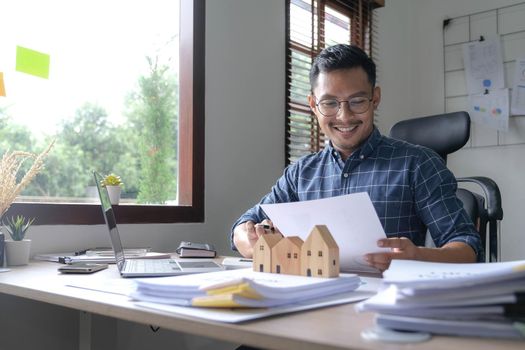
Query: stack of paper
(70, 257)
(128, 252)
(459, 299)
(241, 288)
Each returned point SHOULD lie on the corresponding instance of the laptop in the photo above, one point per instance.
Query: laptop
(137, 267)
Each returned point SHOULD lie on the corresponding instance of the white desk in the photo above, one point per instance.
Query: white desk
(336, 327)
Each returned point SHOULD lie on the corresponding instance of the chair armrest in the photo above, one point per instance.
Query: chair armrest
(492, 195)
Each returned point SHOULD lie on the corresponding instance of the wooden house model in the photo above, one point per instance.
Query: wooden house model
(317, 256)
(286, 256)
(262, 252)
(320, 254)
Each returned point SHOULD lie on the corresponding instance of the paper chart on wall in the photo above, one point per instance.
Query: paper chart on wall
(517, 106)
(483, 66)
(491, 109)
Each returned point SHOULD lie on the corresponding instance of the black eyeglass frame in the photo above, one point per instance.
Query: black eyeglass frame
(339, 105)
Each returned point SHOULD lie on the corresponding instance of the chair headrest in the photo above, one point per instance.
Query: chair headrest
(444, 133)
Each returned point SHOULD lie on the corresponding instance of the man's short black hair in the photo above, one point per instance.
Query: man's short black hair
(342, 56)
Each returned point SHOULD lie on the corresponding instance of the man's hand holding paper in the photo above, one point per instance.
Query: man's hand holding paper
(351, 219)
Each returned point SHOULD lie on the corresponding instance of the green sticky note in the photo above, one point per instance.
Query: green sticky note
(32, 62)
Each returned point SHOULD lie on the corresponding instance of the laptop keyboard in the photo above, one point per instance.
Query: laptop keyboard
(151, 265)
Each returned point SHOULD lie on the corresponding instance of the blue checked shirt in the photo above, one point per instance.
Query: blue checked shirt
(409, 185)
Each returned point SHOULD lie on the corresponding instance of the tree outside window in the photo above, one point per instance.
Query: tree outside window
(111, 102)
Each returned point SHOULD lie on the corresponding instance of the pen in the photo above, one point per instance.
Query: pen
(64, 259)
(266, 227)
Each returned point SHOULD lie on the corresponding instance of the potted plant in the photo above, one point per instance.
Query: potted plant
(114, 185)
(14, 179)
(18, 249)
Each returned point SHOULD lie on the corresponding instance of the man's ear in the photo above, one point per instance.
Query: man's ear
(377, 97)
(311, 102)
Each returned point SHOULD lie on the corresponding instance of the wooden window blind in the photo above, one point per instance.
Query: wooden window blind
(311, 26)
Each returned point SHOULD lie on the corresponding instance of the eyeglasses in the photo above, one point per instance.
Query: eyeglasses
(331, 107)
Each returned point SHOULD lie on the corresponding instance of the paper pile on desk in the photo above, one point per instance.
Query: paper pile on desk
(241, 289)
(485, 300)
(71, 257)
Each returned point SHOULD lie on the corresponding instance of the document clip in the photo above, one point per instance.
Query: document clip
(386, 335)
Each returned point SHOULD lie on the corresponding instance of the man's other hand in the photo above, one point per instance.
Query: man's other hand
(401, 248)
(246, 235)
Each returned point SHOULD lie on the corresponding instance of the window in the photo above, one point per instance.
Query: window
(295, 255)
(312, 26)
(319, 272)
(309, 253)
(261, 247)
(150, 56)
(289, 255)
(320, 253)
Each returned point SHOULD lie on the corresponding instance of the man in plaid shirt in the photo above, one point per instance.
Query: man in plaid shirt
(409, 185)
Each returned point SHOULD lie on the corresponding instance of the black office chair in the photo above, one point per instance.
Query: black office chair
(445, 134)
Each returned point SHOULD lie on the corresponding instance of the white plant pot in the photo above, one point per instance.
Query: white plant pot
(17, 252)
(114, 194)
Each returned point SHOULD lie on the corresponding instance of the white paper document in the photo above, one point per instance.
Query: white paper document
(517, 106)
(484, 328)
(120, 286)
(447, 298)
(247, 314)
(430, 275)
(351, 219)
(491, 109)
(272, 289)
(367, 289)
(483, 66)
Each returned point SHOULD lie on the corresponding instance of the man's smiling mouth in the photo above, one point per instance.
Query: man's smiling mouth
(346, 129)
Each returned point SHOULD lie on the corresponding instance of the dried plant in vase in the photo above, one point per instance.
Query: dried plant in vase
(10, 166)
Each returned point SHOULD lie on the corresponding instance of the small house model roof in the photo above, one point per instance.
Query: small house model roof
(296, 241)
(325, 234)
(271, 239)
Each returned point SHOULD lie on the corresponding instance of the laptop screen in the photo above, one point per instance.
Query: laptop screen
(109, 216)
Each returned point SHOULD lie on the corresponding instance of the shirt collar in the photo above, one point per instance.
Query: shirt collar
(364, 151)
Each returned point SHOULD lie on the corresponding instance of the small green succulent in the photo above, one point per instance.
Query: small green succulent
(112, 180)
(17, 228)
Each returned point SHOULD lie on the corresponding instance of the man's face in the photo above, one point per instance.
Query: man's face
(346, 129)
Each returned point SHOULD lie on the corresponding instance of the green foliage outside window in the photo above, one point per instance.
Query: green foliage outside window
(142, 149)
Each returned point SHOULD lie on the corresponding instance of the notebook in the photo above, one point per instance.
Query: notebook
(145, 267)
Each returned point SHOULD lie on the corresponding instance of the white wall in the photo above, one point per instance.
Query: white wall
(411, 75)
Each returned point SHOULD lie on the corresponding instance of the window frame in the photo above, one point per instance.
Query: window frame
(359, 13)
(191, 146)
